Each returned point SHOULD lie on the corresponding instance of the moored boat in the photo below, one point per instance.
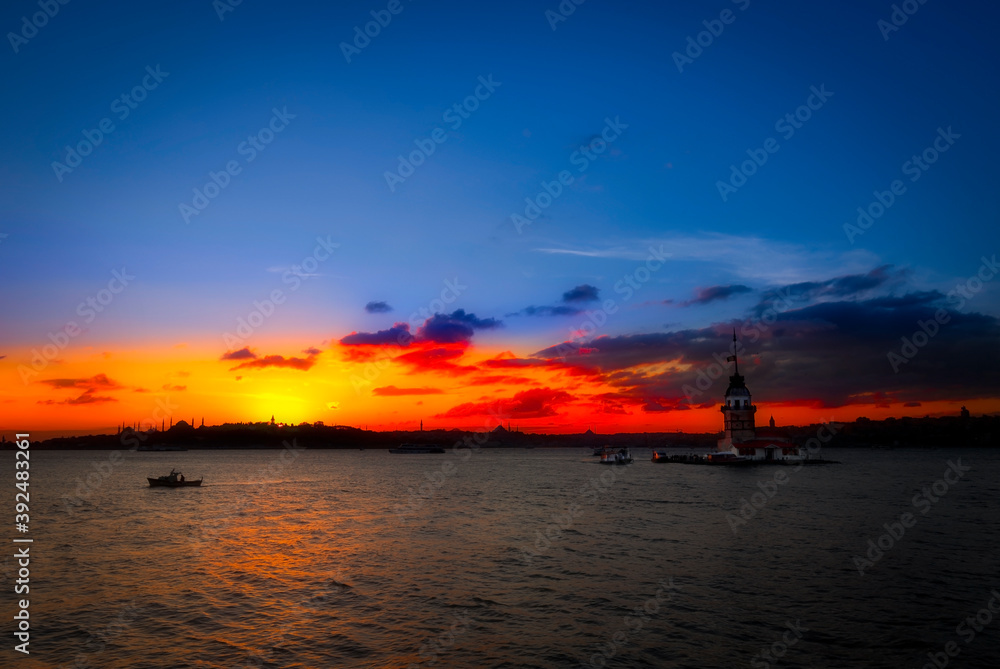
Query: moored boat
(172, 480)
(417, 448)
(620, 457)
(685, 458)
(729, 459)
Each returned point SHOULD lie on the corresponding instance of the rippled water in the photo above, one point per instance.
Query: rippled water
(327, 561)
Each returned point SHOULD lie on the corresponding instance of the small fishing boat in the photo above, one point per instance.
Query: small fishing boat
(620, 457)
(172, 480)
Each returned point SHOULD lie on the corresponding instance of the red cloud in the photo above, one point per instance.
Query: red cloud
(491, 379)
(534, 403)
(437, 359)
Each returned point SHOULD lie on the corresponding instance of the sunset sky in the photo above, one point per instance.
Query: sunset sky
(239, 211)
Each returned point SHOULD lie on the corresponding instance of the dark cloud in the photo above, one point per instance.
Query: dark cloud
(312, 350)
(921, 298)
(560, 310)
(378, 308)
(393, 391)
(88, 397)
(582, 293)
(842, 287)
(714, 293)
(457, 326)
(97, 382)
(243, 354)
(826, 355)
(262, 362)
(398, 334)
(534, 403)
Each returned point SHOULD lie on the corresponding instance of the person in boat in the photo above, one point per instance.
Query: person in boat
(180, 478)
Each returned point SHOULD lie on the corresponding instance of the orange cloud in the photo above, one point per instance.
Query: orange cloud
(393, 391)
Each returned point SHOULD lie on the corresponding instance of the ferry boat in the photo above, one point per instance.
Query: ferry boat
(620, 457)
(417, 448)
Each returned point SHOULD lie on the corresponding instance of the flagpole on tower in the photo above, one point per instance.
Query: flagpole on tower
(735, 359)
